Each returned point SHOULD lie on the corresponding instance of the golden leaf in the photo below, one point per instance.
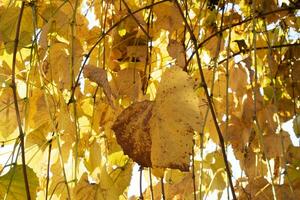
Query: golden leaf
(176, 50)
(160, 133)
(127, 82)
(176, 114)
(168, 17)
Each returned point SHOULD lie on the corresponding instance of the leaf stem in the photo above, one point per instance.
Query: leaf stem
(141, 182)
(72, 65)
(151, 184)
(48, 167)
(193, 171)
(162, 188)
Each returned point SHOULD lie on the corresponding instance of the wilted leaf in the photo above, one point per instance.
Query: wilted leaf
(98, 76)
(132, 130)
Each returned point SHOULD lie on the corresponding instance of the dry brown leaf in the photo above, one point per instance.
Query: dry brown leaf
(160, 133)
(276, 144)
(260, 189)
(238, 84)
(237, 132)
(99, 76)
(252, 164)
(132, 130)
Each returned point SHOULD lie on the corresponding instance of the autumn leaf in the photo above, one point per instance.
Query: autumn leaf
(176, 114)
(99, 76)
(12, 184)
(134, 72)
(132, 130)
(167, 128)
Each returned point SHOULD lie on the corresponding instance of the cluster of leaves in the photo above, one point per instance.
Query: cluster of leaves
(154, 82)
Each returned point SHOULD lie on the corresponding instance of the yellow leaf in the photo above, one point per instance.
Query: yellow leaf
(120, 172)
(176, 50)
(127, 82)
(36, 145)
(158, 172)
(8, 22)
(12, 185)
(164, 128)
(168, 17)
(84, 190)
(176, 114)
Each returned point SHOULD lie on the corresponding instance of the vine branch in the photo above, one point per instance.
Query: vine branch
(14, 89)
(204, 85)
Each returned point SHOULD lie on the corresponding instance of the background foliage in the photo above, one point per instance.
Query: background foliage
(84, 82)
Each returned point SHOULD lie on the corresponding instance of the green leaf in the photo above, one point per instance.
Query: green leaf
(12, 184)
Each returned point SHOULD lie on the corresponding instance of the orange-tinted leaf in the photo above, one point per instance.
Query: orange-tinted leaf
(132, 130)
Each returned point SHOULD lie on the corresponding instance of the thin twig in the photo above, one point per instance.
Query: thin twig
(257, 49)
(227, 81)
(254, 91)
(72, 64)
(200, 45)
(141, 182)
(204, 85)
(13, 86)
(193, 171)
(151, 185)
(136, 20)
(48, 168)
(162, 188)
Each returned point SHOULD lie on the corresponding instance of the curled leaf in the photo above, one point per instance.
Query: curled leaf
(99, 76)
